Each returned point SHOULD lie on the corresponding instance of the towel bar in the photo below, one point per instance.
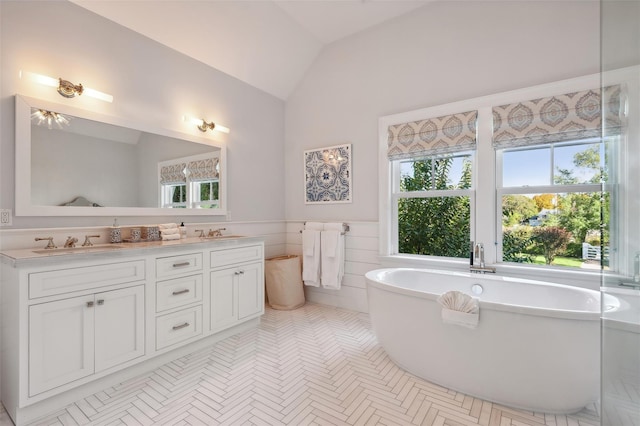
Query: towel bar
(344, 226)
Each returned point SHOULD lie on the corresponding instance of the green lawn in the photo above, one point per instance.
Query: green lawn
(559, 261)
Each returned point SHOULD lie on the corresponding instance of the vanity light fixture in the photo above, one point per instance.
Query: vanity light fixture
(203, 125)
(43, 116)
(65, 87)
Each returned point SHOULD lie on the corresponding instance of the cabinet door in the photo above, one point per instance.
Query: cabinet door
(61, 342)
(250, 290)
(224, 298)
(119, 326)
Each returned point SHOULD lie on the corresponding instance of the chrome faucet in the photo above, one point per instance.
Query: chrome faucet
(71, 242)
(480, 253)
(479, 256)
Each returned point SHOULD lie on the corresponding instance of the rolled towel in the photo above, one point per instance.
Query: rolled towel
(168, 226)
(170, 237)
(170, 231)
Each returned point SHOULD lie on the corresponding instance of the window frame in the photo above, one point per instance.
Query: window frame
(486, 219)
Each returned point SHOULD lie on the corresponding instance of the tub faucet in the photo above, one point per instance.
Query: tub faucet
(480, 253)
(481, 268)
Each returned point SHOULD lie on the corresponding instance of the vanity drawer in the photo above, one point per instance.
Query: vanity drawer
(178, 292)
(178, 326)
(61, 281)
(231, 256)
(178, 265)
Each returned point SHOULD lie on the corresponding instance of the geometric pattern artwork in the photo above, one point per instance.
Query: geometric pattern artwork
(327, 175)
(440, 135)
(315, 365)
(570, 116)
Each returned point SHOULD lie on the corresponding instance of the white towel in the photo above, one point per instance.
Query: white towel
(332, 249)
(311, 254)
(169, 231)
(170, 237)
(163, 226)
(459, 309)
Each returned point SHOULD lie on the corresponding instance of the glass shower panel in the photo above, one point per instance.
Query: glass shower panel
(620, 62)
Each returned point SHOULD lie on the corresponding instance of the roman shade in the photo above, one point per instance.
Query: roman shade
(203, 170)
(570, 116)
(439, 135)
(173, 174)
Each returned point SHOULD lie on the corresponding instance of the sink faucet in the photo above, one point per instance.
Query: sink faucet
(87, 240)
(50, 244)
(71, 242)
(216, 232)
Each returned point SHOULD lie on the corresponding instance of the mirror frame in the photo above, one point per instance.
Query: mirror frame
(23, 205)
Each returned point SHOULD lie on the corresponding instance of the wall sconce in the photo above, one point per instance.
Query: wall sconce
(65, 87)
(43, 116)
(203, 125)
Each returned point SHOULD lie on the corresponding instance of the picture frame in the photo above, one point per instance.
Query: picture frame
(327, 174)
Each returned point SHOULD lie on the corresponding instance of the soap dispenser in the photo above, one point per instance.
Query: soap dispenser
(183, 231)
(115, 233)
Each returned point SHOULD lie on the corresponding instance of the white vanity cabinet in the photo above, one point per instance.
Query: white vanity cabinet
(237, 285)
(82, 319)
(75, 324)
(75, 337)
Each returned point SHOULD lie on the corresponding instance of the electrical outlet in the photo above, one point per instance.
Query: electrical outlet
(5, 217)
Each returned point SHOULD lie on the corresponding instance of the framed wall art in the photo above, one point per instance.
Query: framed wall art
(327, 175)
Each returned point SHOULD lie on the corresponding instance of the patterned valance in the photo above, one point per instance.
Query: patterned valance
(202, 170)
(173, 174)
(572, 116)
(440, 135)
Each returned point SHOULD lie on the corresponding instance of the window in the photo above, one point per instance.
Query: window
(525, 180)
(433, 200)
(432, 195)
(552, 204)
(190, 182)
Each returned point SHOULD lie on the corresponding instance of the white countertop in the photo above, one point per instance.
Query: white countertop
(19, 257)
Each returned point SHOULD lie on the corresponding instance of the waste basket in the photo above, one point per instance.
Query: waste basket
(283, 277)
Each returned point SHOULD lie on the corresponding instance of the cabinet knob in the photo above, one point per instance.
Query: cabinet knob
(100, 302)
(90, 304)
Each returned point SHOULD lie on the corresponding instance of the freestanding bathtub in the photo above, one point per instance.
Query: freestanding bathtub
(536, 345)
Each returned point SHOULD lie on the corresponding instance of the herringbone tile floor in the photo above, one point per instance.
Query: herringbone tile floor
(316, 365)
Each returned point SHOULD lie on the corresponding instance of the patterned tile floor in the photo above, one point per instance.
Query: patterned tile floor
(316, 365)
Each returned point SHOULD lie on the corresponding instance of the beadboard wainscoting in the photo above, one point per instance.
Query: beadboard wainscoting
(361, 256)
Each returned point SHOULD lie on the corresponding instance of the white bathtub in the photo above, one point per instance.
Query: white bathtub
(536, 346)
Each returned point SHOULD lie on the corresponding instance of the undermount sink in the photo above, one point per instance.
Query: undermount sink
(223, 237)
(86, 249)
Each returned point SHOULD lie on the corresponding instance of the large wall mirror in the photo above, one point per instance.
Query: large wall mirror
(71, 162)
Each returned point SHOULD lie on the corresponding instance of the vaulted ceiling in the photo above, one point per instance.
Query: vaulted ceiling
(268, 44)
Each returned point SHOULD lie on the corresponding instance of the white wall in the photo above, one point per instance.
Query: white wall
(444, 52)
(151, 84)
